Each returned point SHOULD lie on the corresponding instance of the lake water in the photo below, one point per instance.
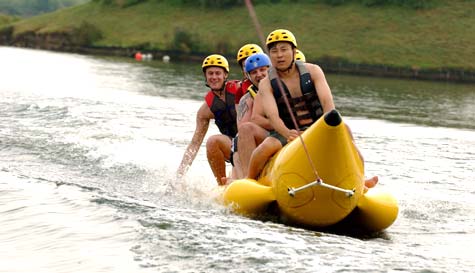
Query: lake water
(89, 147)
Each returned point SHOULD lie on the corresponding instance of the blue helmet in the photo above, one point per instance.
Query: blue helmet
(255, 61)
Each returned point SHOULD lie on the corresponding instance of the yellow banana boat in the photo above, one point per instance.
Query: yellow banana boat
(319, 196)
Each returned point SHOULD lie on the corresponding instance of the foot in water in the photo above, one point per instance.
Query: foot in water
(369, 183)
(226, 181)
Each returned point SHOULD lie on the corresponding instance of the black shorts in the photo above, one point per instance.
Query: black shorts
(234, 148)
(279, 137)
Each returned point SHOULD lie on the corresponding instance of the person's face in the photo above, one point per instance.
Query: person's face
(281, 55)
(215, 77)
(258, 74)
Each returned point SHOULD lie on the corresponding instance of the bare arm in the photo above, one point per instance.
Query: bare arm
(323, 90)
(202, 124)
(244, 109)
(258, 115)
(271, 111)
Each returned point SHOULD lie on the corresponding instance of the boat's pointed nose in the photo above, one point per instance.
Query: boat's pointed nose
(333, 118)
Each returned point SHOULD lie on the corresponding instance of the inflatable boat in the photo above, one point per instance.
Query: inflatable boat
(317, 184)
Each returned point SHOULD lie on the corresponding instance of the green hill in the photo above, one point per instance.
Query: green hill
(33, 7)
(384, 37)
(7, 19)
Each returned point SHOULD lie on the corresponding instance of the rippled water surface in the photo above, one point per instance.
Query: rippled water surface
(89, 147)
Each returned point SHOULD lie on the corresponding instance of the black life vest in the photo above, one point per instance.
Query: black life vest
(225, 112)
(308, 102)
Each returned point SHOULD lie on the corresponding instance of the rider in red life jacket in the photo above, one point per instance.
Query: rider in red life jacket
(219, 105)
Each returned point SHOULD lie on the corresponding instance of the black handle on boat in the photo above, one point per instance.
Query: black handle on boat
(333, 118)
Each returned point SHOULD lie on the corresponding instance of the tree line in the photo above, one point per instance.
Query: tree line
(416, 4)
(26, 8)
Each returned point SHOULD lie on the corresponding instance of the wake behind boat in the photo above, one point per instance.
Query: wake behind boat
(316, 196)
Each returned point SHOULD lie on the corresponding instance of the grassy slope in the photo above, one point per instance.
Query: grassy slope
(7, 19)
(30, 8)
(438, 37)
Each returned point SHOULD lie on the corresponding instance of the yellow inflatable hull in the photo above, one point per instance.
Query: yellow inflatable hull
(337, 163)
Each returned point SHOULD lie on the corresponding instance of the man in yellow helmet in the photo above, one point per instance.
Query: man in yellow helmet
(220, 105)
(299, 56)
(255, 130)
(244, 52)
(307, 92)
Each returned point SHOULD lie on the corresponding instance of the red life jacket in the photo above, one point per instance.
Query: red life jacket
(225, 111)
(245, 84)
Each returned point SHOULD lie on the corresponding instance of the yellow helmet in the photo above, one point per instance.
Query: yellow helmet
(299, 56)
(281, 35)
(246, 51)
(215, 60)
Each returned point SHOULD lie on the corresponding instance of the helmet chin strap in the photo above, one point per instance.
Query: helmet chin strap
(287, 69)
(220, 90)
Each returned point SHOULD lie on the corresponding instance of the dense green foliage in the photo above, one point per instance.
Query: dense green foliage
(233, 3)
(86, 34)
(5, 19)
(417, 4)
(33, 7)
(397, 36)
(230, 3)
(119, 3)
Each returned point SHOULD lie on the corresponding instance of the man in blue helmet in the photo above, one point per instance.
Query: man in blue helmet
(243, 53)
(253, 126)
(255, 68)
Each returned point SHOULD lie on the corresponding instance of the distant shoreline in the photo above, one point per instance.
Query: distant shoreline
(61, 42)
(433, 43)
(328, 65)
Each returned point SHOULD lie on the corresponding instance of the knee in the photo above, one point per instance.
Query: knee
(267, 149)
(246, 128)
(272, 146)
(212, 143)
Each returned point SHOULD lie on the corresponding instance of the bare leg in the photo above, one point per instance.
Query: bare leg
(250, 135)
(226, 181)
(237, 169)
(246, 145)
(218, 148)
(236, 172)
(261, 155)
